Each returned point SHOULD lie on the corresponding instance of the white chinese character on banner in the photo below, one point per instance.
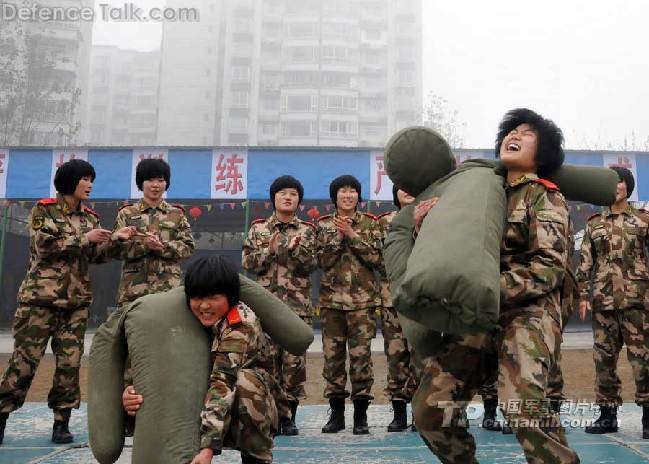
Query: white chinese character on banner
(59, 157)
(380, 183)
(229, 174)
(4, 165)
(625, 160)
(139, 155)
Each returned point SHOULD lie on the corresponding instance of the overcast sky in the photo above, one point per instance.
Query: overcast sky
(583, 63)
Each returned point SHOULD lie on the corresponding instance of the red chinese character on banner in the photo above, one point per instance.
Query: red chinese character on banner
(228, 176)
(380, 172)
(62, 159)
(622, 162)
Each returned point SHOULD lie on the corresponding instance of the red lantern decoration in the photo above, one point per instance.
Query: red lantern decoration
(195, 212)
(313, 213)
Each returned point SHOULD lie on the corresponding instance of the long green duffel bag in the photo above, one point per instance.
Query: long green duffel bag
(170, 359)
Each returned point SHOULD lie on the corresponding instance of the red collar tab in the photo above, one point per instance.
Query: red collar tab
(548, 184)
(233, 316)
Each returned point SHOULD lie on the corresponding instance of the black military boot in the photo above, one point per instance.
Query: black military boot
(60, 432)
(489, 421)
(413, 427)
(360, 417)
(400, 421)
(645, 422)
(287, 425)
(3, 423)
(336, 421)
(607, 421)
(555, 406)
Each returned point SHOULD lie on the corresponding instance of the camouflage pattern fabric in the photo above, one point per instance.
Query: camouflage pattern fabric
(286, 274)
(349, 283)
(339, 329)
(240, 409)
(60, 255)
(290, 371)
(611, 330)
(613, 260)
(533, 265)
(402, 378)
(33, 326)
(147, 271)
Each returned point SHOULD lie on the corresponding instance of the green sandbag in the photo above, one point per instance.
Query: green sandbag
(451, 281)
(416, 157)
(278, 320)
(588, 184)
(170, 359)
(106, 420)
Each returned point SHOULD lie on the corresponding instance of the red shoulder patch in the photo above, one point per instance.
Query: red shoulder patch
(88, 210)
(593, 216)
(180, 207)
(257, 221)
(384, 214)
(371, 216)
(548, 184)
(310, 224)
(322, 218)
(233, 316)
(125, 205)
(47, 201)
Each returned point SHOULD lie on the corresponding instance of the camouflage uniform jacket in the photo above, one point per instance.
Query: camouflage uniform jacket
(285, 273)
(384, 222)
(238, 343)
(534, 249)
(349, 282)
(614, 257)
(146, 271)
(60, 255)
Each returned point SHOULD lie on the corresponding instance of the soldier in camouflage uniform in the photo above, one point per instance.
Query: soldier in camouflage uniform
(534, 253)
(349, 253)
(403, 378)
(239, 410)
(613, 263)
(53, 300)
(164, 237)
(280, 251)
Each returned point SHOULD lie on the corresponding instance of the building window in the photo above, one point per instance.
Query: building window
(238, 124)
(405, 77)
(298, 128)
(298, 103)
(240, 99)
(241, 73)
(303, 54)
(302, 30)
(338, 128)
(268, 129)
(339, 103)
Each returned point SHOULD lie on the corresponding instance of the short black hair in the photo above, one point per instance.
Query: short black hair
(69, 174)
(549, 153)
(152, 168)
(212, 275)
(344, 181)
(395, 196)
(625, 176)
(284, 182)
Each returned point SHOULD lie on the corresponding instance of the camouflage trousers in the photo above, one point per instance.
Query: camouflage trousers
(520, 354)
(253, 416)
(291, 371)
(612, 329)
(339, 329)
(33, 326)
(402, 379)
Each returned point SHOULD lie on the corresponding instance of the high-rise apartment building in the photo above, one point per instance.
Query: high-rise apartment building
(123, 97)
(286, 72)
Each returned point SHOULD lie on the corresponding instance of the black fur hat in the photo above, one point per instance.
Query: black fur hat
(344, 181)
(627, 176)
(283, 182)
